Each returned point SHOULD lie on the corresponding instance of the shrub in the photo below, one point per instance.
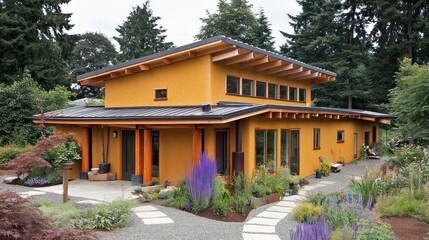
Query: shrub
(306, 212)
(65, 151)
(222, 205)
(106, 216)
(376, 230)
(179, 198)
(36, 182)
(325, 166)
(199, 183)
(165, 194)
(240, 202)
(403, 156)
(10, 152)
(317, 198)
(19, 221)
(403, 204)
(345, 233)
(242, 193)
(319, 230)
(61, 215)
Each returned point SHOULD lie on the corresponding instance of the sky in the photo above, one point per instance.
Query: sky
(181, 18)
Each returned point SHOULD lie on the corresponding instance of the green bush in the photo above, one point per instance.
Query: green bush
(306, 212)
(106, 216)
(240, 202)
(405, 155)
(317, 198)
(221, 198)
(165, 194)
(345, 233)
(9, 152)
(325, 166)
(180, 197)
(68, 151)
(61, 215)
(374, 231)
(403, 204)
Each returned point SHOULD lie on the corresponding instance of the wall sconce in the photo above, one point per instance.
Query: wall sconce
(115, 134)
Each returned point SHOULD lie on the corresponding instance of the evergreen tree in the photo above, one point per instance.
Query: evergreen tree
(27, 39)
(237, 21)
(91, 52)
(140, 34)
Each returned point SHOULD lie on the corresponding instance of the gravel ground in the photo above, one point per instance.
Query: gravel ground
(189, 226)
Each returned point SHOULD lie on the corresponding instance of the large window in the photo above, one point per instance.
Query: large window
(340, 136)
(232, 85)
(284, 148)
(261, 89)
(272, 90)
(283, 92)
(266, 148)
(247, 87)
(316, 138)
(292, 94)
(302, 94)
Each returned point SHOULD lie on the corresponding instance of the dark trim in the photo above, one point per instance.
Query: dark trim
(83, 175)
(136, 180)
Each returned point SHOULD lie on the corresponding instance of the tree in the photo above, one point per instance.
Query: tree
(27, 40)
(237, 21)
(140, 34)
(20, 101)
(92, 51)
(409, 100)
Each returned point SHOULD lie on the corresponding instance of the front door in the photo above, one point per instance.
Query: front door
(128, 154)
(294, 154)
(222, 151)
(366, 138)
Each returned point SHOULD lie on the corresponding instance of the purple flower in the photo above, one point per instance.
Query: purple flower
(319, 230)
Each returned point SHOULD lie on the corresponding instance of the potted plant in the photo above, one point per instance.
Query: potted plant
(67, 153)
(318, 173)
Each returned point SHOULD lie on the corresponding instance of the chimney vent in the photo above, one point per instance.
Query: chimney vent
(206, 107)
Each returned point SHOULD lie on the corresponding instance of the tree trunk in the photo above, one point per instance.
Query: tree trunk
(350, 102)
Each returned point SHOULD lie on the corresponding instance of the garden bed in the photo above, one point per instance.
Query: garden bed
(408, 228)
(230, 216)
(261, 201)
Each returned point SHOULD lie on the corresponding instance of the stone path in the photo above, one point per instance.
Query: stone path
(263, 225)
(30, 193)
(151, 215)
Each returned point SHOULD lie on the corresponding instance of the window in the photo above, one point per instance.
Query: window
(232, 85)
(247, 87)
(284, 145)
(355, 144)
(302, 93)
(316, 138)
(283, 92)
(261, 89)
(292, 94)
(160, 94)
(272, 90)
(266, 148)
(340, 136)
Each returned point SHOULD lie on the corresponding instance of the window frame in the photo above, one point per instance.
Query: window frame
(265, 148)
(295, 90)
(252, 89)
(238, 85)
(286, 94)
(316, 138)
(265, 90)
(342, 134)
(299, 94)
(161, 98)
(275, 90)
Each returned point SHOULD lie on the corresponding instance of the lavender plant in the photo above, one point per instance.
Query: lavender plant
(320, 230)
(36, 182)
(199, 183)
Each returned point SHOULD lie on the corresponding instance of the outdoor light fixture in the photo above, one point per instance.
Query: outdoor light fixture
(115, 134)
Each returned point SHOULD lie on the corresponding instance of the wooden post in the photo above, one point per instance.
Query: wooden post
(147, 156)
(85, 150)
(139, 152)
(66, 168)
(196, 145)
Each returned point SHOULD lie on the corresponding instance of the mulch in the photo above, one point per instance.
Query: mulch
(407, 228)
(230, 216)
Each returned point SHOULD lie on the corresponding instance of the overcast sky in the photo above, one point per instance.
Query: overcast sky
(181, 18)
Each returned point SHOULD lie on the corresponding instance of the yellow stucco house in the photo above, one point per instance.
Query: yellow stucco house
(241, 105)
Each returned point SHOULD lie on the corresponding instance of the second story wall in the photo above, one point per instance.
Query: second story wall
(186, 83)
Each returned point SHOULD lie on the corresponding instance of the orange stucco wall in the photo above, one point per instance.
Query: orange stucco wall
(78, 136)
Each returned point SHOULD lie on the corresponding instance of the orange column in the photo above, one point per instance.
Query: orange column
(139, 152)
(85, 150)
(147, 155)
(196, 144)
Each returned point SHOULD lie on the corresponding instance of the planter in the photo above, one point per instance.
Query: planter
(318, 173)
(101, 177)
(273, 197)
(104, 167)
(94, 170)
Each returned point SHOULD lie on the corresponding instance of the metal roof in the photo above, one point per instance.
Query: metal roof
(222, 111)
(200, 43)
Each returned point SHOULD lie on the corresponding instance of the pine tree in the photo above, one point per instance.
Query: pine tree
(27, 39)
(91, 52)
(237, 21)
(140, 34)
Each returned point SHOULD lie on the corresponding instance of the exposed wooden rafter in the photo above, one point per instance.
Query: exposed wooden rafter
(241, 58)
(286, 67)
(290, 72)
(255, 62)
(299, 74)
(312, 75)
(227, 55)
(268, 65)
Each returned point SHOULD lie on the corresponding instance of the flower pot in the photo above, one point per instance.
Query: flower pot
(273, 197)
(104, 167)
(94, 170)
(319, 173)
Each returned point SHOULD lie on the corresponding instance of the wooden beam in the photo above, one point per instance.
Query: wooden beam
(268, 65)
(192, 54)
(313, 75)
(241, 58)
(282, 68)
(128, 71)
(367, 119)
(284, 115)
(385, 121)
(290, 72)
(226, 55)
(143, 67)
(277, 115)
(85, 150)
(268, 115)
(196, 145)
(307, 115)
(293, 115)
(167, 60)
(115, 74)
(255, 62)
(139, 154)
(299, 74)
(300, 115)
(147, 156)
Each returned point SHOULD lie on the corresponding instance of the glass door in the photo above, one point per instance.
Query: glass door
(128, 154)
(294, 153)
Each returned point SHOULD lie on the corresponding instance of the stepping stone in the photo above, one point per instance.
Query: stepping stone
(302, 192)
(327, 182)
(276, 215)
(144, 209)
(293, 198)
(286, 204)
(308, 187)
(30, 193)
(153, 214)
(263, 221)
(93, 202)
(356, 178)
(163, 220)
(279, 209)
(252, 236)
(259, 229)
(318, 185)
